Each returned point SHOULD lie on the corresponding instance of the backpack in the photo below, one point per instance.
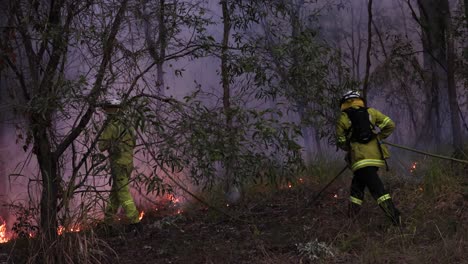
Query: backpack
(362, 128)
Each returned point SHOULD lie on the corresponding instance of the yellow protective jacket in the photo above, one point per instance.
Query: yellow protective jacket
(119, 140)
(369, 154)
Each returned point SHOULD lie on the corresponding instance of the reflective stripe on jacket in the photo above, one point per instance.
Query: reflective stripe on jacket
(364, 155)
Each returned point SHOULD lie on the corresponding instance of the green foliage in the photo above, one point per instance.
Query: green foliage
(305, 71)
(25, 223)
(438, 178)
(322, 169)
(194, 139)
(153, 184)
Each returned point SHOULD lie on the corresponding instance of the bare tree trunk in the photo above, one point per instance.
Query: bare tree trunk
(353, 54)
(457, 139)
(296, 29)
(435, 62)
(317, 141)
(369, 46)
(3, 180)
(50, 179)
(225, 80)
(466, 28)
(466, 13)
(162, 47)
(157, 49)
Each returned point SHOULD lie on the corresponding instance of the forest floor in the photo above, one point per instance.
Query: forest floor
(284, 225)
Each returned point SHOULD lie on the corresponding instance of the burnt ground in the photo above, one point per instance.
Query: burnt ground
(262, 230)
(284, 226)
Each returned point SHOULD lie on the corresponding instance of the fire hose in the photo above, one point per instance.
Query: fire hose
(315, 199)
(425, 153)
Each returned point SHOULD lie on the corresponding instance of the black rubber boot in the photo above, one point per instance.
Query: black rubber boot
(391, 212)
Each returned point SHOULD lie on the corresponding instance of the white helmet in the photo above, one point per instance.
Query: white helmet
(350, 95)
(112, 102)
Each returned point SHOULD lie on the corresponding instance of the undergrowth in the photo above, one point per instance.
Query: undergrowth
(280, 225)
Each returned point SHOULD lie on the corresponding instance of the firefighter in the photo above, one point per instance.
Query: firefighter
(118, 139)
(359, 132)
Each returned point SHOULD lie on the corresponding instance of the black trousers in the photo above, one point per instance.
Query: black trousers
(366, 177)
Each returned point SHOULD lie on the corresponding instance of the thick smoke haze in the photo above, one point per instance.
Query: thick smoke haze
(341, 25)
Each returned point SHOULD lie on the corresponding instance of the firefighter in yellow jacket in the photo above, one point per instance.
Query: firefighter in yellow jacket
(357, 133)
(118, 139)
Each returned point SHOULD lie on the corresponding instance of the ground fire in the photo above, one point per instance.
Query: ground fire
(3, 232)
(6, 236)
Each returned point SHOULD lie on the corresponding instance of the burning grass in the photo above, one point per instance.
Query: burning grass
(3, 232)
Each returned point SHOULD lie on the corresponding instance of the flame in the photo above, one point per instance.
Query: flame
(413, 166)
(289, 185)
(142, 213)
(173, 198)
(61, 229)
(335, 196)
(3, 233)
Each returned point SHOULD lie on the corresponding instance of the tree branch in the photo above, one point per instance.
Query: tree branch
(97, 88)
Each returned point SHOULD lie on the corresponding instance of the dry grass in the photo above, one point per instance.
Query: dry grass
(72, 248)
(277, 220)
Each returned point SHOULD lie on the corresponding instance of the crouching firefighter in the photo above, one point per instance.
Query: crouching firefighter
(118, 139)
(356, 132)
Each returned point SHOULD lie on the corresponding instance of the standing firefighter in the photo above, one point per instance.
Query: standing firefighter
(356, 134)
(118, 139)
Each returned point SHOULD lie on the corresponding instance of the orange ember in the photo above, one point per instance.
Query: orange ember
(413, 166)
(75, 229)
(289, 185)
(142, 213)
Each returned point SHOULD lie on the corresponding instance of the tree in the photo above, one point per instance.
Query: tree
(439, 61)
(457, 136)
(45, 38)
(302, 68)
